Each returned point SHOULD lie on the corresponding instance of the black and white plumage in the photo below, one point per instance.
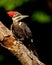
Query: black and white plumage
(20, 29)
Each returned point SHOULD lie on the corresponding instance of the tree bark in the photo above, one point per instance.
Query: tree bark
(25, 56)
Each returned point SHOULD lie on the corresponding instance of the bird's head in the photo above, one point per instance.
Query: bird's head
(16, 16)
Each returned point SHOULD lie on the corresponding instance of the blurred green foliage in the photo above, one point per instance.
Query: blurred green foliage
(41, 17)
(1, 57)
(11, 4)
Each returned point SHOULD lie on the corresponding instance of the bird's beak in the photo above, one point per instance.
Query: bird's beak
(25, 16)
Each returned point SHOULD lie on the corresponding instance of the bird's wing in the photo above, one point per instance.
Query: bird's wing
(26, 29)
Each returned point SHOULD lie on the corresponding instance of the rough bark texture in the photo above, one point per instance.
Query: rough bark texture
(25, 56)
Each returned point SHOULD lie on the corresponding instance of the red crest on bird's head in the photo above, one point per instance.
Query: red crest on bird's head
(11, 13)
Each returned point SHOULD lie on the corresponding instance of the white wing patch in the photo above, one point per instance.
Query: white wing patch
(20, 23)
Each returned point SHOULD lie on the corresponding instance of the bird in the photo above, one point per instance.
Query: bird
(21, 30)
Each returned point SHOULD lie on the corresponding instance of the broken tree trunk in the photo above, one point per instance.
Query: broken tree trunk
(17, 47)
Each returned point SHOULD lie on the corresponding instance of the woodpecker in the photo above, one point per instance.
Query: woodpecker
(21, 30)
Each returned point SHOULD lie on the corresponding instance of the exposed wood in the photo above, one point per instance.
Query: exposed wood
(25, 56)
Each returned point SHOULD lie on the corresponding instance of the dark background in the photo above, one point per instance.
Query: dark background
(42, 33)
